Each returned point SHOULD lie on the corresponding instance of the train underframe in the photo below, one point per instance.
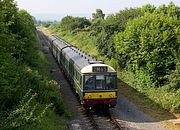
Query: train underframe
(98, 104)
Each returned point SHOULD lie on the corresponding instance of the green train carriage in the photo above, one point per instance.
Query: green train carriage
(94, 81)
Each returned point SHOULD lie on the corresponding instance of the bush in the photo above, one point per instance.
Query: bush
(23, 68)
(113, 62)
(150, 43)
(27, 114)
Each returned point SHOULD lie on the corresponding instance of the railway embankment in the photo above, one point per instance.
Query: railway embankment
(143, 45)
(126, 113)
(144, 103)
(28, 97)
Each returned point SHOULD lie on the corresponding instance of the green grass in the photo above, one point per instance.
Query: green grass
(161, 97)
(83, 41)
(51, 121)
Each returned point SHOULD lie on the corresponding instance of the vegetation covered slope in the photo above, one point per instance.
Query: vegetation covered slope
(26, 92)
(142, 43)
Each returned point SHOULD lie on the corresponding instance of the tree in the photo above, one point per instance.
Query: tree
(106, 28)
(150, 43)
(20, 68)
(70, 23)
(8, 13)
(170, 11)
(25, 25)
(98, 15)
(148, 8)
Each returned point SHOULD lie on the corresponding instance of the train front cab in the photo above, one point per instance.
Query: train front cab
(99, 89)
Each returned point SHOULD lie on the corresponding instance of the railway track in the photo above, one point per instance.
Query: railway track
(103, 121)
(97, 121)
(89, 120)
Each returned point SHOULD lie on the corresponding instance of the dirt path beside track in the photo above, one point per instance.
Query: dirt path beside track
(133, 118)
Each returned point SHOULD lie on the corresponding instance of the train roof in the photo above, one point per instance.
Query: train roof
(84, 62)
(59, 43)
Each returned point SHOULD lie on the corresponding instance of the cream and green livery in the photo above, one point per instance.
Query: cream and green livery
(94, 81)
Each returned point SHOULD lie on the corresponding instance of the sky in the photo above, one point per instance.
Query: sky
(56, 9)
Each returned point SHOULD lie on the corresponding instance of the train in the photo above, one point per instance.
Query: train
(94, 82)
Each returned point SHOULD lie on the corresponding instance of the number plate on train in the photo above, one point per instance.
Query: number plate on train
(100, 69)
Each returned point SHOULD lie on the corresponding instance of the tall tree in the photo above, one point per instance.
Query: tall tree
(151, 43)
(98, 15)
(110, 25)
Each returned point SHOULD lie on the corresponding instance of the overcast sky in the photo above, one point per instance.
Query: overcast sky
(50, 9)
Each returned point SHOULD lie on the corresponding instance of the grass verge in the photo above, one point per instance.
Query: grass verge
(52, 120)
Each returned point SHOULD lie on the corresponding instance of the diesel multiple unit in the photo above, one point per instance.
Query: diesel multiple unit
(94, 82)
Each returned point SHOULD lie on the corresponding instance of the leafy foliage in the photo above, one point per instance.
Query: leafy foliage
(149, 47)
(150, 43)
(98, 15)
(106, 29)
(70, 23)
(20, 63)
(26, 114)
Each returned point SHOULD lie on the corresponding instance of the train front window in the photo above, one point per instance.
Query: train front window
(89, 82)
(105, 82)
(110, 82)
(100, 82)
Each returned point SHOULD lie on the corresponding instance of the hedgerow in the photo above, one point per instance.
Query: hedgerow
(27, 92)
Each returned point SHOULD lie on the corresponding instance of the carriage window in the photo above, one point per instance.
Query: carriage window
(89, 82)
